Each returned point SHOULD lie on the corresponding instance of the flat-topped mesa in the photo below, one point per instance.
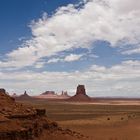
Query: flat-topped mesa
(81, 90)
(49, 93)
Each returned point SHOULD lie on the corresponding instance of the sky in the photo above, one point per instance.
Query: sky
(56, 45)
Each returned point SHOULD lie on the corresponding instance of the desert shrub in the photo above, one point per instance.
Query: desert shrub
(108, 119)
(122, 118)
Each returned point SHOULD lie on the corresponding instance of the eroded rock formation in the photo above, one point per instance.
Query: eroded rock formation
(53, 96)
(80, 95)
(81, 90)
(48, 93)
(24, 96)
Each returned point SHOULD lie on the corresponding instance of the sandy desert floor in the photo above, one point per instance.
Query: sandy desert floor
(97, 121)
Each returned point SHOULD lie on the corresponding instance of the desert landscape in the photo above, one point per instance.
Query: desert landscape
(21, 121)
(98, 122)
(92, 118)
(77, 117)
(69, 69)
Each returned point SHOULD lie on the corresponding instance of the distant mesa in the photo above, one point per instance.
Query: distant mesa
(53, 95)
(24, 96)
(80, 95)
(81, 90)
(64, 94)
(49, 93)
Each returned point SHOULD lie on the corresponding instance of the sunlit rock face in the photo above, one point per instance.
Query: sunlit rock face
(81, 90)
(80, 95)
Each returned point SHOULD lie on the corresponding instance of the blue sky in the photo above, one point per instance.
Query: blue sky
(56, 45)
(16, 15)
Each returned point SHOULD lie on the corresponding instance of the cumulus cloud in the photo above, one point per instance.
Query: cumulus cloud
(54, 60)
(39, 65)
(72, 57)
(119, 80)
(116, 22)
(68, 58)
(131, 51)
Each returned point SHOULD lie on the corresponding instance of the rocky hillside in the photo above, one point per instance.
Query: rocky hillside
(20, 122)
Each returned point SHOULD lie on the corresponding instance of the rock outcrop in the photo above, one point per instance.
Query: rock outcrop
(80, 95)
(80, 90)
(24, 96)
(2, 91)
(48, 93)
(16, 120)
(53, 96)
(64, 95)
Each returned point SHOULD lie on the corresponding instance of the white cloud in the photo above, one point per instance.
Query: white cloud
(54, 60)
(68, 58)
(72, 57)
(39, 65)
(114, 21)
(125, 6)
(119, 80)
(132, 51)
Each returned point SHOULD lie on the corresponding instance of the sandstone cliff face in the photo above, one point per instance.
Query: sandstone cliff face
(80, 95)
(19, 122)
(81, 90)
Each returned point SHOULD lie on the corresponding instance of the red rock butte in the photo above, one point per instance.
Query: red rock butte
(80, 95)
(24, 96)
(81, 90)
